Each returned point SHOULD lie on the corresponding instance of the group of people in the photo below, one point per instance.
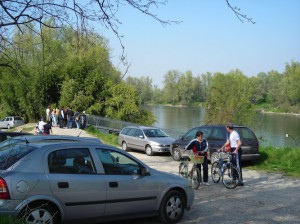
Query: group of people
(66, 118)
(63, 118)
(199, 145)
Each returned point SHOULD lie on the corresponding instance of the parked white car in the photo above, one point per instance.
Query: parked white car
(11, 121)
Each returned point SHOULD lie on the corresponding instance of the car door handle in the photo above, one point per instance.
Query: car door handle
(113, 184)
(63, 185)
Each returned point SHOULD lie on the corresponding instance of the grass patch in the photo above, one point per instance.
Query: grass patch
(285, 160)
(110, 139)
(10, 220)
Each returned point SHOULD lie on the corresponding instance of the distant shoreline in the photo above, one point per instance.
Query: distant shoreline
(279, 113)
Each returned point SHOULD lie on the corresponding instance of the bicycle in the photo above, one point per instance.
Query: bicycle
(195, 172)
(223, 167)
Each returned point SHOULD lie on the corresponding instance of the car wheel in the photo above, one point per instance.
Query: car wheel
(148, 150)
(124, 146)
(40, 213)
(176, 154)
(172, 207)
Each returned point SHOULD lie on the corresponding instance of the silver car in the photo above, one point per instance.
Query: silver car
(11, 121)
(149, 139)
(59, 182)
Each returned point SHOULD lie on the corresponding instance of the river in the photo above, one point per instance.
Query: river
(270, 129)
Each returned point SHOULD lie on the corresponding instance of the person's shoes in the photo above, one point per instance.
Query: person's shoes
(206, 184)
(240, 184)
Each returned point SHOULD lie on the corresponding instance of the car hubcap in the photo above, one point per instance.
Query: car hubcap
(176, 154)
(39, 216)
(148, 150)
(174, 207)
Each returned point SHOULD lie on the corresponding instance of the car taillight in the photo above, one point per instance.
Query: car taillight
(4, 194)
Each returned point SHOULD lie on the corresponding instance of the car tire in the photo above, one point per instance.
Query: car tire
(172, 207)
(176, 154)
(148, 150)
(124, 146)
(40, 213)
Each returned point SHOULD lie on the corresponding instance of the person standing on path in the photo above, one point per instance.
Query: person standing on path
(199, 146)
(48, 113)
(235, 144)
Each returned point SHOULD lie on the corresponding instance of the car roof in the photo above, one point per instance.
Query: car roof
(141, 127)
(14, 133)
(48, 138)
(220, 125)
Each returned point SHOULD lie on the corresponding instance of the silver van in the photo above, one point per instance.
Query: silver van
(149, 139)
(11, 121)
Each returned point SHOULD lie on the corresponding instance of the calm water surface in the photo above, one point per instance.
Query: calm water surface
(271, 129)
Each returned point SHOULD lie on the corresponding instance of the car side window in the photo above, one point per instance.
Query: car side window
(191, 134)
(139, 133)
(115, 163)
(218, 134)
(131, 132)
(207, 131)
(71, 161)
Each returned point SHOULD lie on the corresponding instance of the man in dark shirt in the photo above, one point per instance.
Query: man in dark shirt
(199, 146)
(47, 128)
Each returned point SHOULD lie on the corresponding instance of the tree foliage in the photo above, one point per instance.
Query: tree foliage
(230, 99)
(63, 69)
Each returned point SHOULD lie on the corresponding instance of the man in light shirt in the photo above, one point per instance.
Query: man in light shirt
(235, 144)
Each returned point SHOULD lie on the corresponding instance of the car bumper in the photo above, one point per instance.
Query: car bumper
(160, 149)
(249, 157)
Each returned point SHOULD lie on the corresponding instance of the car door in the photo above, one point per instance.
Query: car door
(129, 192)
(134, 139)
(80, 189)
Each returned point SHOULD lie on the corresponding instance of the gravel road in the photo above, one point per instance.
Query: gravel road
(265, 197)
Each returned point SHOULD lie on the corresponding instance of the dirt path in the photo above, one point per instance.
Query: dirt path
(265, 198)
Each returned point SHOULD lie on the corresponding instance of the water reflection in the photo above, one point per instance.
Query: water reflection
(271, 129)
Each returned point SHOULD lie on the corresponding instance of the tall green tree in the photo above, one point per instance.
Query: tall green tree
(171, 88)
(229, 99)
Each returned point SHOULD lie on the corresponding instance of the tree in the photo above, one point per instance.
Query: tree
(185, 87)
(171, 90)
(230, 99)
(291, 81)
(143, 86)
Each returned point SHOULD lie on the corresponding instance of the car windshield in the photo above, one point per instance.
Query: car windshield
(10, 154)
(155, 133)
(10, 141)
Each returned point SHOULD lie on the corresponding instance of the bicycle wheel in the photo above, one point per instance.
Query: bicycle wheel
(230, 176)
(196, 177)
(183, 170)
(215, 172)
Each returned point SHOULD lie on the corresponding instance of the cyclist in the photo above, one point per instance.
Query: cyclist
(235, 143)
(199, 145)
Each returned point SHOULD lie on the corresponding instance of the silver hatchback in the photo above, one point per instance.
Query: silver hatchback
(149, 139)
(81, 182)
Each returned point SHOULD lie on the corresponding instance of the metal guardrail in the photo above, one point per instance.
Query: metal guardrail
(108, 125)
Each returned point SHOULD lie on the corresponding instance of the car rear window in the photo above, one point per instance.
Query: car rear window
(10, 154)
(246, 133)
(18, 118)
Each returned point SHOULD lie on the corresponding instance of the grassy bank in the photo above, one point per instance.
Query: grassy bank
(285, 160)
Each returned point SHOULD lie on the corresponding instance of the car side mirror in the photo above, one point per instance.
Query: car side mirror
(141, 136)
(144, 171)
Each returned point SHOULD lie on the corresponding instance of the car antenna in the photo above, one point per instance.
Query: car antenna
(79, 133)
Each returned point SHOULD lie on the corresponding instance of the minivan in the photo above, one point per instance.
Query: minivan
(217, 135)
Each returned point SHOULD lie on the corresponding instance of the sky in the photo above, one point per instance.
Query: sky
(210, 38)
